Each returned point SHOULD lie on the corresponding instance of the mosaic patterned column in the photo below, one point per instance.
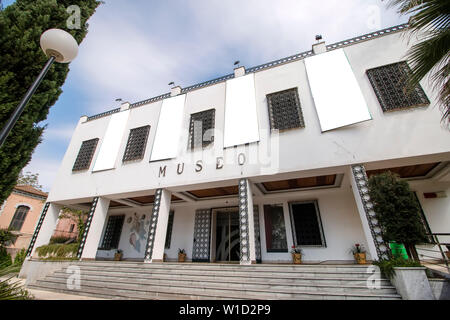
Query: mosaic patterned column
(152, 227)
(86, 227)
(38, 228)
(362, 191)
(202, 236)
(245, 215)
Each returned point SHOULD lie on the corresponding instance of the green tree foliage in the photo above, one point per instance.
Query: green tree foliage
(21, 25)
(30, 179)
(5, 237)
(397, 211)
(430, 21)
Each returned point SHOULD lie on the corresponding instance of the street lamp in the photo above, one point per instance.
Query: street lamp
(59, 46)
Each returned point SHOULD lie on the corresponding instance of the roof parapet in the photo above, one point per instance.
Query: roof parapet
(268, 65)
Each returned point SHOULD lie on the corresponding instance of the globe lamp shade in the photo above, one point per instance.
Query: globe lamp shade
(59, 44)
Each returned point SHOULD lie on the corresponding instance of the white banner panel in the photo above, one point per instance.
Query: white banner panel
(241, 120)
(338, 99)
(168, 131)
(109, 149)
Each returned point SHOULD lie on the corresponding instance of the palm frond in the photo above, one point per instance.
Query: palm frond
(430, 22)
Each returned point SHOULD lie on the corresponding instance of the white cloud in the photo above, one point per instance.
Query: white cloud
(63, 133)
(46, 167)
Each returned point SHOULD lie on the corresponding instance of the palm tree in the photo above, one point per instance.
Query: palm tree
(430, 21)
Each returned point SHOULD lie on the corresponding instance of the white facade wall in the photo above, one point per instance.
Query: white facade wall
(400, 134)
(390, 139)
(340, 220)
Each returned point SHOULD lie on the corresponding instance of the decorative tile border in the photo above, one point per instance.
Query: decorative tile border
(360, 175)
(103, 114)
(243, 222)
(38, 228)
(87, 226)
(153, 224)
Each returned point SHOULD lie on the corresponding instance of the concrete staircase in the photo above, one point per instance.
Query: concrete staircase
(136, 280)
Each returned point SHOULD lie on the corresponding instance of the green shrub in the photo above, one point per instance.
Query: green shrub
(59, 240)
(57, 251)
(5, 258)
(397, 211)
(13, 290)
(387, 266)
(20, 257)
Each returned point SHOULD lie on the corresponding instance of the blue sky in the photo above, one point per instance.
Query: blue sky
(135, 48)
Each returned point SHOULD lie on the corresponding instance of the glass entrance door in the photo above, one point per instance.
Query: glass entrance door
(227, 236)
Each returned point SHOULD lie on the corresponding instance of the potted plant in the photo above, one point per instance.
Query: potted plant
(118, 255)
(181, 255)
(359, 253)
(296, 255)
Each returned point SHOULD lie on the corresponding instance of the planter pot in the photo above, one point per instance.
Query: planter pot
(412, 283)
(181, 257)
(360, 258)
(297, 258)
(118, 256)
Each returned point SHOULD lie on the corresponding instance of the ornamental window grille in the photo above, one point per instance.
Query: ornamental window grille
(137, 141)
(306, 224)
(19, 217)
(390, 85)
(201, 129)
(275, 228)
(112, 232)
(84, 157)
(284, 110)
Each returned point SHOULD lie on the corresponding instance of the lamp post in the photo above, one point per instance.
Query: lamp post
(59, 46)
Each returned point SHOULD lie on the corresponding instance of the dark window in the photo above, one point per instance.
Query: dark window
(306, 224)
(19, 218)
(112, 232)
(169, 230)
(284, 110)
(85, 155)
(275, 228)
(72, 226)
(201, 129)
(137, 141)
(389, 83)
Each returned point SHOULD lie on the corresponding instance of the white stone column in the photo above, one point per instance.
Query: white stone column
(246, 223)
(93, 229)
(376, 246)
(156, 241)
(44, 228)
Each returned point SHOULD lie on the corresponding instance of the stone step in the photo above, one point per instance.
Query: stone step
(220, 272)
(155, 292)
(248, 278)
(207, 283)
(137, 280)
(225, 267)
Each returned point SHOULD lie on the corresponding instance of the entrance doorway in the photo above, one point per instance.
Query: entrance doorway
(227, 235)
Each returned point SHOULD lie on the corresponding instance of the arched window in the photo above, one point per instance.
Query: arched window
(19, 218)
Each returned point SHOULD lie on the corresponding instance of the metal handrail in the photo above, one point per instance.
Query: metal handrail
(435, 241)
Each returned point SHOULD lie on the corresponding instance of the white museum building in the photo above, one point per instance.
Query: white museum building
(242, 168)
